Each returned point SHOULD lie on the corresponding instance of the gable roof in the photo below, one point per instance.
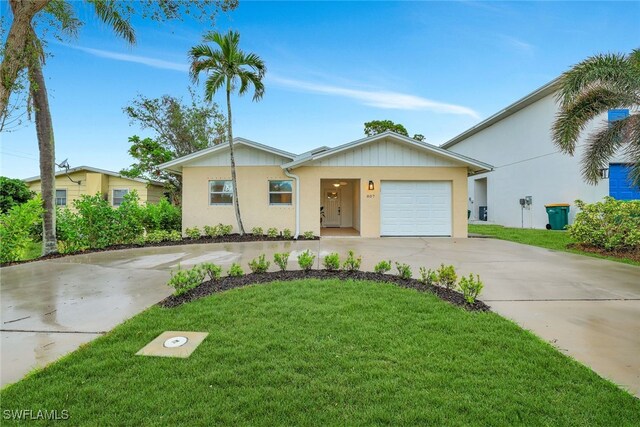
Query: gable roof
(534, 96)
(95, 170)
(474, 165)
(176, 165)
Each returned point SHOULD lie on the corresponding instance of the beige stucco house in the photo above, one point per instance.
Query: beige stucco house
(71, 184)
(384, 185)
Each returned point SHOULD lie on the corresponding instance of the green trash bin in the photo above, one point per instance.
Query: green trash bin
(558, 216)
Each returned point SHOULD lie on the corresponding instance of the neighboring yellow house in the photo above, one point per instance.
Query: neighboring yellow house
(384, 185)
(87, 180)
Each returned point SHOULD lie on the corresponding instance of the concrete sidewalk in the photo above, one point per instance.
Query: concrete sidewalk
(587, 307)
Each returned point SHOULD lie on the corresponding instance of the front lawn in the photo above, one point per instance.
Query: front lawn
(325, 352)
(550, 239)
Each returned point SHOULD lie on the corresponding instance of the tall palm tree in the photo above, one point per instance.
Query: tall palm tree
(593, 87)
(226, 66)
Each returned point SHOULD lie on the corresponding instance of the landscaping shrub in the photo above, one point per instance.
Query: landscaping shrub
(13, 192)
(257, 231)
(259, 265)
(185, 280)
(68, 232)
(382, 267)
(162, 216)
(128, 220)
(175, 236)
(404, 271)
(611, 224)
(15, 229)
(470, 287)
(308, 235)
(235, 270)
(193, 232)
(447, 276)
(332, 261)
(272, 233)
(156, 236)
(218, 230)
(281, 260)
(428, 277)
(96, 221)
(305, 260)
(287, 234)
(352, 263)
(211, 270)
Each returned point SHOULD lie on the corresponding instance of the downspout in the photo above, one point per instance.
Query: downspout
(297, 179)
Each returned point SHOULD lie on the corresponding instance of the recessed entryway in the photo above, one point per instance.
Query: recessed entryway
(340, 207)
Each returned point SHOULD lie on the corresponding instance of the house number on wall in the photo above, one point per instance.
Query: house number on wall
(370, 196)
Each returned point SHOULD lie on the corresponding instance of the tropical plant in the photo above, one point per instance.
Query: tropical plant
(229, 67)
(447, 276)
(281, 260)
(259, 265)
(257, 231)
(272, 233)
(212, 270)
(332, 261)
(352, 263)
(193, 232)
(382, 267)
(428, 277)
(308, 235)
(235, 270)
(305, 260)
(287, 234)
(185, 280)
(592, 87)
(470, 287)
(15, 229)
(404, 271)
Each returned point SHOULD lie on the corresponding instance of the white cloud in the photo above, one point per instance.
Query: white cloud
(518, 44)
(144, 60)
(375, 98)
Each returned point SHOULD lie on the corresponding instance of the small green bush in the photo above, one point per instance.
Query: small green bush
(404, 271)
(185, 280)
(332, 261)
(470, 287)
(305, 260)
(352, 263)
(287, 234)
(610, 225)
(210, 231)
(193, 232)
(156, 236)
(447, 276)
(257, 231)
(15, 229)
(225, 230)
(235, 270)
(272, 232)
(218, 230)
(68, 232)
(212, 270)
(259, 265)
(174, 236)
(308, 235)
(428, 277)
(382, 267)
(161, 216)
(281, 260)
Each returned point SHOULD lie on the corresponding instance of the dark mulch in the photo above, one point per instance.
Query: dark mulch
(226, 283)
(231, 238)
(633, 254)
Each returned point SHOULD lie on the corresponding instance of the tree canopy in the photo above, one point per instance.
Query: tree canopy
(13, 192)
(375, 127)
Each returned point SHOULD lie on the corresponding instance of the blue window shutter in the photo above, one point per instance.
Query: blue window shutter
(618, 114)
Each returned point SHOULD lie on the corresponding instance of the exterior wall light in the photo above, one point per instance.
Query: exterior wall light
(371, 185)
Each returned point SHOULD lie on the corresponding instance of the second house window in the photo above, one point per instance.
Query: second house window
(220, 192)
(280, 192)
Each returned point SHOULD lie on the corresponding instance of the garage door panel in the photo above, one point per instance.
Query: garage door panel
(415, 208)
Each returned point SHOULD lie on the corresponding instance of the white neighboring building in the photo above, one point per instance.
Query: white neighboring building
(517, 142)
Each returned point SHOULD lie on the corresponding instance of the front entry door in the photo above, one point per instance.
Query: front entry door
(332, 208)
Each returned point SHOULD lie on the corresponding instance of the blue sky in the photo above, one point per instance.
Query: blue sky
(436, 67)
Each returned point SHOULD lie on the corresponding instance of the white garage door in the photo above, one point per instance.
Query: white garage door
(415, 208)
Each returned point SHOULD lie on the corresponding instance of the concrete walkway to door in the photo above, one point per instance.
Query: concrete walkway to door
(588, 308)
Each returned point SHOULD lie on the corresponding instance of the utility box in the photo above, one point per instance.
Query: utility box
(482, 213)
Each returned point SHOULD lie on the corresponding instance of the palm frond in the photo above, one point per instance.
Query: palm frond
(572, 118)
(631, 135)
(63, 13)
(601, 146)
(213, 84)
(107, 11)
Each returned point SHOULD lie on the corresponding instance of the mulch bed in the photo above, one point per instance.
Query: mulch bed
(633, 254)
(226, 283)
(231, 238)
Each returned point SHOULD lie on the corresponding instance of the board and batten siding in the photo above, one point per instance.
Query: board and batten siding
(385, 153)
(244, 156)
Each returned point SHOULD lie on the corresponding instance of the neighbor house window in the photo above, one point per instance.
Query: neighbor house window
(220, 192)
(280, 192)
(61, 197)
(118, 196)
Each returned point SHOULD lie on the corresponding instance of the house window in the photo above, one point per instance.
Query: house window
(220, 192)
(118, 196)
(61, 197)
(280, 192)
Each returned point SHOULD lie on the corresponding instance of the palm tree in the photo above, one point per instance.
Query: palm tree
(593, 87)
(228, 66)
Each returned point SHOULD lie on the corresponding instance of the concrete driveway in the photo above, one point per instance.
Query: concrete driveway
(588, 308)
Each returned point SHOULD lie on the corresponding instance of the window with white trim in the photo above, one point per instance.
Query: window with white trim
(118, 196)
(280, 192)
(220, 192)
(61, 197)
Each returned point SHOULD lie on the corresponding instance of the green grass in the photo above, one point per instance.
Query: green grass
(325, 353)
(550, 239)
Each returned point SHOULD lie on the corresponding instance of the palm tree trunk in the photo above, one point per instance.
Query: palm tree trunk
(44, 130)
(234, 181)
(17, 47)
